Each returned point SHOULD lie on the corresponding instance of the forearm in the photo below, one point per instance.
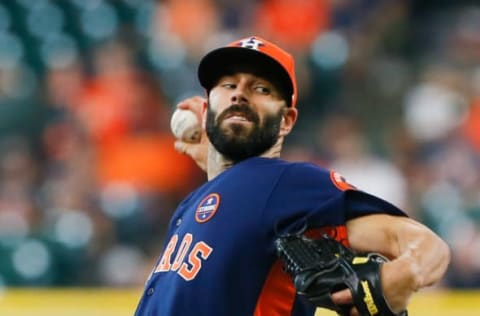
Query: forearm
(416, 248)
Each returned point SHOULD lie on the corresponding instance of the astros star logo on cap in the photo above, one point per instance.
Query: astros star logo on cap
(251, 43)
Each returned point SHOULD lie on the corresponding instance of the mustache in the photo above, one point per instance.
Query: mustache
(242, 109)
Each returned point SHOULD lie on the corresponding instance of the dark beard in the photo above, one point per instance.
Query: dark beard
(238, 143)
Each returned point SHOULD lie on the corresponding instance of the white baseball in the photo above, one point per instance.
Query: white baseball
(186, 126)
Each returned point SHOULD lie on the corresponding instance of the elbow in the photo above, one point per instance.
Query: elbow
(442, 256)
(445, 256)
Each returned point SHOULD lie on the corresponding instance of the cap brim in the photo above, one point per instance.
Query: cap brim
(217, 62)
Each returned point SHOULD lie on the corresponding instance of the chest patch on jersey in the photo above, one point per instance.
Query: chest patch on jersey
(207, 208)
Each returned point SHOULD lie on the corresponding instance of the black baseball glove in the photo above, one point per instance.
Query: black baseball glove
(324, 266)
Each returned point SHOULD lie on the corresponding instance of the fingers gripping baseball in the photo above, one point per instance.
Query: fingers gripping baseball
(186, 120)
(187, 128)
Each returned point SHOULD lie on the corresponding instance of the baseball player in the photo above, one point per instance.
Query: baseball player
(220, 256)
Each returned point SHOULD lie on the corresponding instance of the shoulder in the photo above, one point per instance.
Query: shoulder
(313, 174)
(292, 175)
(298, 168)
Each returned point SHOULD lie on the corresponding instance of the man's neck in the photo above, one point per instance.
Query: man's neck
(217, 163)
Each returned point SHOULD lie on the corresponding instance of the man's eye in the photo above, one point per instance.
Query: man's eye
(228, 85)
(262, 89)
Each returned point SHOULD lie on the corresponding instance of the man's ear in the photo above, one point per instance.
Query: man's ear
(289, 118)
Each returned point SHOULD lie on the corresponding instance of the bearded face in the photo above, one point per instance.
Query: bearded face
(238, 141)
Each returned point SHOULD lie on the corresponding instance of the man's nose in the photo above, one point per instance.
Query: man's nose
(239, 96)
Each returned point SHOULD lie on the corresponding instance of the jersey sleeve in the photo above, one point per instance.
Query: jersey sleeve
(359, 203)
(308, 196)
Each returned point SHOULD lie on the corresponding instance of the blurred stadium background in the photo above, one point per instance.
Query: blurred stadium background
(389, 97)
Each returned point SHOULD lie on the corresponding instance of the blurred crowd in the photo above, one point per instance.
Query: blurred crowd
(389, 96)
